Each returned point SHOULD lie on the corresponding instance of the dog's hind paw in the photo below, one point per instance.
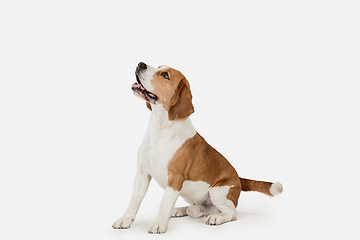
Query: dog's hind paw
(179, 212)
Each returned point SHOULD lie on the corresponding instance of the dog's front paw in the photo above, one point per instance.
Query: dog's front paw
(158, 228)
(123, 223)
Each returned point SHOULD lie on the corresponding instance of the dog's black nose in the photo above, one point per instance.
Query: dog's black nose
(142, 65)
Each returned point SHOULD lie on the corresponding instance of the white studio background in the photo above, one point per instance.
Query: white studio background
(275, 86)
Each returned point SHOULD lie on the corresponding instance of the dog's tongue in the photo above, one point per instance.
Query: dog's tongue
(137, 85)
(134, 85)
(143, 90)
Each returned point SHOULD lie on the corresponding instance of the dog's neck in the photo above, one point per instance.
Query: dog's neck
(160, 117)
(159, 121)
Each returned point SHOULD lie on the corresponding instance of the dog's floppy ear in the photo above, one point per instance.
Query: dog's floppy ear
(148, 105)
(181, 105)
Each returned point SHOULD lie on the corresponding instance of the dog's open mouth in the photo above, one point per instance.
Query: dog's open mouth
(139, 89)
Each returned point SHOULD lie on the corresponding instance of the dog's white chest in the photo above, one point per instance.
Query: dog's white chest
(157, 165)
(160, 144)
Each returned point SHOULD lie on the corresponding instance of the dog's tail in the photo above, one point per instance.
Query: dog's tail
(268, 188)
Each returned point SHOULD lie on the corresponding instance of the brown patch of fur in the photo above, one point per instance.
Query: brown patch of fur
(258, 186)
(148, 105)
(173, 94)
(181, 105)
(164, 88)
(195, 161)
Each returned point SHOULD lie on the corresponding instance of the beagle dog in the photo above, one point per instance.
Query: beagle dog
(180, 160)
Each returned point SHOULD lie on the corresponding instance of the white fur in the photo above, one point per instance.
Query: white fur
(194, 192)
(276, 188)
(161, 67)
(141, 184)
(146, 77)
(167, 205)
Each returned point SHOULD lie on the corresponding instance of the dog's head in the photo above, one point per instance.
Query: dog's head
(164, 86)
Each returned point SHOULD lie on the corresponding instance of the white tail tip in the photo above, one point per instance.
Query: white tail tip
(276, 188)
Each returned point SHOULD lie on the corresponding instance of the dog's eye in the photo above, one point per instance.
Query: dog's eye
(165, 75)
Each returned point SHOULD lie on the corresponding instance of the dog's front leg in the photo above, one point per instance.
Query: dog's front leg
(167, 205)
(141, 184)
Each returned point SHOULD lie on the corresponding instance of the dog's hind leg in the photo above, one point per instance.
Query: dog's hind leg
(204, 208)
(179, 212)
(218, 196)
